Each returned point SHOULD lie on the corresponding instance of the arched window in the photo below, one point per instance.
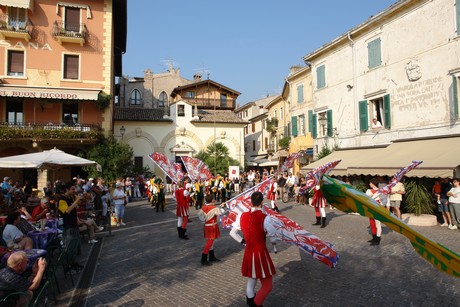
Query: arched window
(163, 99)
(135, 98)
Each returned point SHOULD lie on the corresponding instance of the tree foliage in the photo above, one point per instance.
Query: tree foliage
(417, 199)
(217, 158)
(284, 142)
(115, 159)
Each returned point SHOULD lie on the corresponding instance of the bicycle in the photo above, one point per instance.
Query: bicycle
(287, 196)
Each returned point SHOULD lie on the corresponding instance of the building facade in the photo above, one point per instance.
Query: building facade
(193, 115)
(394, 77)
(58, 62)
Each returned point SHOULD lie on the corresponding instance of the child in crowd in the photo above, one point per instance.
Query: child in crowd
(436, 189)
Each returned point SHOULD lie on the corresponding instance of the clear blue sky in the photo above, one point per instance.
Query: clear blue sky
(247, 45)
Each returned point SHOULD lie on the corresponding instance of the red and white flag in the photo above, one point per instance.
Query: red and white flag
(196, 169)
(172, 169)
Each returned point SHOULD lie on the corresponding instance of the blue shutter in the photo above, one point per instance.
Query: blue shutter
(300, 94)
(455, 90)
(320, 76)
(314, 132)
(374, 53)
(330, 129)
(363, 116)
(294, 125)
(310, 121)
(386, 112)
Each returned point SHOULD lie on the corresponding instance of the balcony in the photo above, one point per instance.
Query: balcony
(209, 103)
(14, 28)
(48, 131)
(74, 34)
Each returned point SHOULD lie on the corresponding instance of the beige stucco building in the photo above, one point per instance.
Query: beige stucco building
(399, 67)
(186, 117)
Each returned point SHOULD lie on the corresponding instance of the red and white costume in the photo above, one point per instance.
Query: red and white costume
(256, 260)
(376, 225)
(211, 229)
(182, 202)
(271, 195)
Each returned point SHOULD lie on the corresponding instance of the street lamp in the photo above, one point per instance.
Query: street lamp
(122, 131)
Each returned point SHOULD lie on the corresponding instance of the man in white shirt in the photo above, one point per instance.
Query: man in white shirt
(251, 177)
(290, 182)
(454, 203)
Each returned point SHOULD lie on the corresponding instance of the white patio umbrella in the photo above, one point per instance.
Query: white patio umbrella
(48, 159)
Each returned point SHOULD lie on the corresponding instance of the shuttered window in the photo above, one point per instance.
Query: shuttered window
(321, 76)
(374, 53)
(386, 112)
(15, 63)
(363, 116)
(72, 19)
(457, 10)
(330, 128)
(71, 63)
(455, 94)
(300, 93)
(314, 132)
(294, 125)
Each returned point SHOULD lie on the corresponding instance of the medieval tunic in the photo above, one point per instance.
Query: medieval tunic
(271, 195)
(256, 260)
(318, 200)
(182, 202)
(211, 229)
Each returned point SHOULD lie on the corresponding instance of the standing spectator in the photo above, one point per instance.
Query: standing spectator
(243, 182)
(119, 201)
(128, 188)
(67, 206)
(88, 185)
(169, 189)
(436, 190)
(290, 181)
(281, 183)
(136, 190)
(208, 214)
(236, 184)
(7, 190)
(257, 263)
(454, 203)
(444, 206)
(48, 190)
(250, 179)
(396, 197)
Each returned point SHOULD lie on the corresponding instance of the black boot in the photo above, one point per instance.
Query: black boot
(373, 239)
(212, 257)
(184, 236)
(250, 301)
(318, 221)
(376, 242)
(276, 209)
(179, 231)
(204, 260)
(323, 222)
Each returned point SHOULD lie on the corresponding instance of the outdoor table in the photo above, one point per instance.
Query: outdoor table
(41, 238)
(32, 256)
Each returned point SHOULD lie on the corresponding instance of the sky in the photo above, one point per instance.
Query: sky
(246, 45)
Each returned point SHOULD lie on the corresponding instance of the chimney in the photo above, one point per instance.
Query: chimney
(197, 77)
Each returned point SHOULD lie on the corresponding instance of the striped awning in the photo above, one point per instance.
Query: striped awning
(25, 4)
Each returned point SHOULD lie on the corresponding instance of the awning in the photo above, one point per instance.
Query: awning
(269, 163)
(278, 154)
(49, 93)
(26, 4)
(256, 161)
(348, 157)
(439, 156)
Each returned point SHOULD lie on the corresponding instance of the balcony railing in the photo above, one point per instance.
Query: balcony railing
(24, 130)
(69, 33)
(12, 27)
(210, 103)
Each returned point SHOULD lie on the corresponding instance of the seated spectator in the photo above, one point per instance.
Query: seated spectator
(12, 279)
(40, 211)
(87, 223)
(12, 234)
(33, 200)
(24, 225)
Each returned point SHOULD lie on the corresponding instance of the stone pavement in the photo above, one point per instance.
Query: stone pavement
(145, 264)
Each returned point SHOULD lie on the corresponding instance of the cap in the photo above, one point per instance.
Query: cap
(6, 178)
(91, 179)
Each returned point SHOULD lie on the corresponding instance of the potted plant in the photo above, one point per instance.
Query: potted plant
(418, 204)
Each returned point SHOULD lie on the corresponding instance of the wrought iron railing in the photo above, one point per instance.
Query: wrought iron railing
(209, 102)
(9, 23)
(50, 130)
(65, 30)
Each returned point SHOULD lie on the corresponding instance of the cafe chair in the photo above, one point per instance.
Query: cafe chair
(40, 300)
(10, 299)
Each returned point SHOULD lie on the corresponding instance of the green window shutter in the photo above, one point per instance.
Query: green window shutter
(330, 129)
(386, 112)
(374, 53)
(321, 76)
(455, 85)
(302, 118)
(363, 116)
(294, 125)
(310, 121)
(457, 9)
(300, 94)
(314, 132)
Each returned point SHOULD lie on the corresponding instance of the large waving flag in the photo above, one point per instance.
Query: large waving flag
(172, 169)
(289, 162)
(286, 229)
(196, 169)
(346, 198)
(290, 232)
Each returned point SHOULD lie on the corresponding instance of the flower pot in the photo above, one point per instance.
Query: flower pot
(419, 220)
